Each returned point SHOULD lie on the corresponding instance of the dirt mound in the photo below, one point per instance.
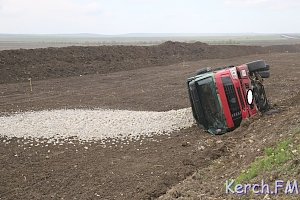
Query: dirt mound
(38, 64)
(283, 48)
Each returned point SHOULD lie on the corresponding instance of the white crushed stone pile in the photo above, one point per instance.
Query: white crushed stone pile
(94, 124)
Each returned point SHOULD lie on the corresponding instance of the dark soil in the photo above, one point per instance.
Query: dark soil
(137, 170)
(245, 145)
(39, 64)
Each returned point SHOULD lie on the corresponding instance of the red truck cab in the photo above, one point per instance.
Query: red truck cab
(223, 97)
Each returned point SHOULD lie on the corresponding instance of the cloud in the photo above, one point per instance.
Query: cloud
(48, 15)
(123, 16)
(268, 4)
(32, 7)
(246, 2)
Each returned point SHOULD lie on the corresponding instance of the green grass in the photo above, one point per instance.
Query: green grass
(273, 159)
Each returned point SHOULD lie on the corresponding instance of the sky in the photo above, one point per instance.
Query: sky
(149, 16)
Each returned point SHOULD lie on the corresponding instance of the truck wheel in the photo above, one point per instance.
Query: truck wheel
(258, 65)
(202, 71)
(267, 67)
(264, 74)
(260, 97)
(264, 69)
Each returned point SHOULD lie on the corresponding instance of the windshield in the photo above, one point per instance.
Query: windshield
(210, 104)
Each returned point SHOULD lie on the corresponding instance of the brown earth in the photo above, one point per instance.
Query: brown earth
(138, 170)
(40, 64)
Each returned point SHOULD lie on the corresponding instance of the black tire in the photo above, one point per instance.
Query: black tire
(264, 69)
(264, 74)
(258, 65)
(202, 71)
(267, 67)
(261, 98)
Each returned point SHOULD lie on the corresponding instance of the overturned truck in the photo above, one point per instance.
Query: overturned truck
(223, 97)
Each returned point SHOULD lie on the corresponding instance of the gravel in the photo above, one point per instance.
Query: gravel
(96, 124)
